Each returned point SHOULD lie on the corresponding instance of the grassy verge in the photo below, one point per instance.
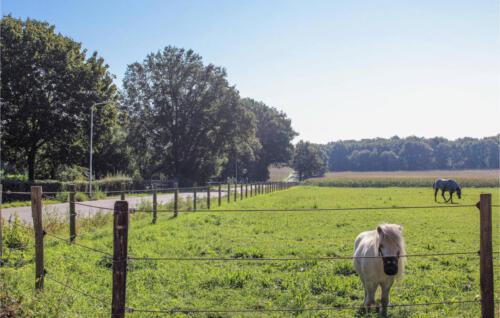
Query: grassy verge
(15, 204)
(255, 285)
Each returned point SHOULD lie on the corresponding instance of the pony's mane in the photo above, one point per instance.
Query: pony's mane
(393, 233)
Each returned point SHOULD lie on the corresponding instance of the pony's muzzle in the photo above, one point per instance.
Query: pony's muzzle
(390, 265)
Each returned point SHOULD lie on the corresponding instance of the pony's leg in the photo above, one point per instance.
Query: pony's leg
(451, 197)
(444, 198)
(435, 194)
(386, 287)
(370, 289)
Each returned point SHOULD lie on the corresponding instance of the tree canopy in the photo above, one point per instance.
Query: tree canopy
(413, 153)
(309, 160)
(185, 117)
(48, 86)
(274, 133)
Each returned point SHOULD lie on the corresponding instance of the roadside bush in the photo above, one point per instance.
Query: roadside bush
(79, 196)
(70, 173)
(15, 236)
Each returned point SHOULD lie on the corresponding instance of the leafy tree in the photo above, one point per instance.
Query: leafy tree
(48, 86)
(309, 160)
(338, 157)
(274, 133)
(388, 160)
(414, 153)
(185, 119)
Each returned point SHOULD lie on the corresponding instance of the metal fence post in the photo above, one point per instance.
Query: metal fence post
(155, 205)
(120, 236)
(176, 201)
(122, 194)
(486, 257)
(219, 199)
(194, 195)
(72, 213)
(208, 197)
(36, 213)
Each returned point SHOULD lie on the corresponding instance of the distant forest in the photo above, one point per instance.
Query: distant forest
(413, 153)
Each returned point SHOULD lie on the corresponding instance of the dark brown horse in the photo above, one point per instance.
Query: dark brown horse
(446, 185)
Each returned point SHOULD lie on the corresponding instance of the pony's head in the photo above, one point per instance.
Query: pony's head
(459, 193)
(391, 246)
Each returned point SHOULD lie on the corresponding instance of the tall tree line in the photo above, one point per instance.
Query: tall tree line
(413, 153)
(176, 116)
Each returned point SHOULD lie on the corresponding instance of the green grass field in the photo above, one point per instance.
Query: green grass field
(248, 284)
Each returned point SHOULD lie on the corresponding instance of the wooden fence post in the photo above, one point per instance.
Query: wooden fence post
(486, 257)
(208, 197)
(36, 213)
(72, 213)
(155, 205)
(219, 199)
(235, 192)
(120, 236)
(228, 191)
(176, 201)
(122, 194)
(246, 190)
(251, 184)
(241, 191)
(1, 227)
(194, 195)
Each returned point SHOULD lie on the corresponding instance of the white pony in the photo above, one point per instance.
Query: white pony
(382, 248)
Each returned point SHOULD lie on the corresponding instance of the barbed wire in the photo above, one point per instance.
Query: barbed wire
(78, 244)
(338, 307)
(92, 206)
(106, 303)
(326, 258)
(317, 209)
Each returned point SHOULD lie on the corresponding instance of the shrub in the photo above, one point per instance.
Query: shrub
(70, 173)
(15, 236)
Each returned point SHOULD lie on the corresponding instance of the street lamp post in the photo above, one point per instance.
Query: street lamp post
(91, 136)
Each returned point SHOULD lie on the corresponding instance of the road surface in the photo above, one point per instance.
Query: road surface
(61, 210)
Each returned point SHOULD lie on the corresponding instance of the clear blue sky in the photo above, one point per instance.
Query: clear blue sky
(339, 69)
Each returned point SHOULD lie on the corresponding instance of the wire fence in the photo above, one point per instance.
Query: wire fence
(260, 259)
(296, 310)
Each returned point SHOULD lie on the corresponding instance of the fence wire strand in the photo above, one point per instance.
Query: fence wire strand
(78, 244)
(318, 209)
(340, 307)
(93, 206)
(104, 302)
(332, 258)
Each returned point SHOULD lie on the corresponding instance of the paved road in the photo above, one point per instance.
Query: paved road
(61, 210)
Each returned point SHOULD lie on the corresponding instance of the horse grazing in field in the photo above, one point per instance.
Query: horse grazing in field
(377, 261)
(446, 185)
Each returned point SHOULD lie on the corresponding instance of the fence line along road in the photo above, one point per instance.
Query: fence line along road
(120, 259)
